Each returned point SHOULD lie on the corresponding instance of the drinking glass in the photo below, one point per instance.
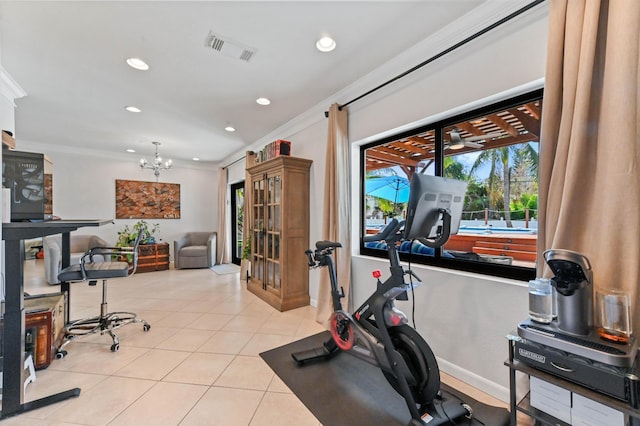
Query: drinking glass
(541, 300)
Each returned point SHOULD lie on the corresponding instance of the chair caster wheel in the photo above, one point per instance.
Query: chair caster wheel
(61, 354)
(115, 347)
(146, 327)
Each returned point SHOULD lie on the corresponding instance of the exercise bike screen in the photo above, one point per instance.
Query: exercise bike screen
(427, 194)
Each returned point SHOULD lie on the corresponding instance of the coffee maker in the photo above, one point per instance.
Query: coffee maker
(574, 289)
(573, 329)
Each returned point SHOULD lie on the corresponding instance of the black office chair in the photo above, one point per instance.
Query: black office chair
(87, 270)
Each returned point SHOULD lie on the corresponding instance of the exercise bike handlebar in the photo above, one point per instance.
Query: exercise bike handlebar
(391, 229)
(444, 231)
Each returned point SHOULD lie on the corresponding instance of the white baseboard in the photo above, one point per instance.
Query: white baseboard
(490, 388)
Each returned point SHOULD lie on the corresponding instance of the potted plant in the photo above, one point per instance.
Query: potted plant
(127, 236)
(245, 262)
(149, 231)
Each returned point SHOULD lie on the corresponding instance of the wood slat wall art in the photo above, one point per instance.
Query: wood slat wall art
(147, 200)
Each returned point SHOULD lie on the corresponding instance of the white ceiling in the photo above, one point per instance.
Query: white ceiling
(69, 57)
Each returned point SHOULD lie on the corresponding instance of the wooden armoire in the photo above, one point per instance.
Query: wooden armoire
(277, 198)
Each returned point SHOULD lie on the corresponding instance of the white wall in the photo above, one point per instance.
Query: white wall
(463, 316)
(84, 188)
(9, 91)
(310, 143)
(6, 114)
(236, 172)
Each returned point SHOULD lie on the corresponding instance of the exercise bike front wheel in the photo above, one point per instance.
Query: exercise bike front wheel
(342, 331)
(421, 363)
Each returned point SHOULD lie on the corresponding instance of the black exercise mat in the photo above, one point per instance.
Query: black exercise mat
(347, 391)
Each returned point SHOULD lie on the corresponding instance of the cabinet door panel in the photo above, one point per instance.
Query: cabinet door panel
(276, 215)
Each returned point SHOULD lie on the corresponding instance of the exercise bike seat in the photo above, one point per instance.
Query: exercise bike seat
(323, 245)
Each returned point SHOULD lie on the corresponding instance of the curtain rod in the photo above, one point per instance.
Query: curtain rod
(446, 51)
(235, 161)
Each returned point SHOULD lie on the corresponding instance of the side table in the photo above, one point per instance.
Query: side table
(541, 417)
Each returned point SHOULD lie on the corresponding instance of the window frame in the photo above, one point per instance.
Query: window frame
(520, 273)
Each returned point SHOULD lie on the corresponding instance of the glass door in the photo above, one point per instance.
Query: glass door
(274, 189)
(257, 228)
(237, 221)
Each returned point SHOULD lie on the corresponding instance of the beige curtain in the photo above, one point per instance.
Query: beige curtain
(223, 247)
(336, 221)
(590, 153)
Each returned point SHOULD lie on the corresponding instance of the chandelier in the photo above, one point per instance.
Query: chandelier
(157, 163)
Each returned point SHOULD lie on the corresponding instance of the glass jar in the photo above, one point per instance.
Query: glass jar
(614, 315)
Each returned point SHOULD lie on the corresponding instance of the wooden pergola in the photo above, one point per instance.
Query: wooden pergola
(511, 126)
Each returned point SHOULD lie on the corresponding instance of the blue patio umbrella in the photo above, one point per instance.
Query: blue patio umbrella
(392, 188)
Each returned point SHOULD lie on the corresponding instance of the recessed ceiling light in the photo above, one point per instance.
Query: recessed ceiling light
(131, 150)
(132, 109)
(195, 159)
(263, 101)
(325, 44)
(138, 64)
(230, 129)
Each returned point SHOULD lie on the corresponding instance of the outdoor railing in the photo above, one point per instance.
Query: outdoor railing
(487, 215)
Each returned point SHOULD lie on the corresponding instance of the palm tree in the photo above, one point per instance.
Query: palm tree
(491, 157)
(500, 159)
(454, 169)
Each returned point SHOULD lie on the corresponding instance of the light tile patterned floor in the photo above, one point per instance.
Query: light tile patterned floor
(198, 365)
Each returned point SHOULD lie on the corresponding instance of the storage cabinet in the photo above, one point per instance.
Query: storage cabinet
(278, 203)
(153, 257)
(44, 327)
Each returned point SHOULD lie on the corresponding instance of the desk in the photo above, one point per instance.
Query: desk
(14, 234)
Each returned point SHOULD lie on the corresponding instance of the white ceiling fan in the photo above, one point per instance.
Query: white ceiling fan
(457, 142)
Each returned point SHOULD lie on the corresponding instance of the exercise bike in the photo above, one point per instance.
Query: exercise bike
(378, 333)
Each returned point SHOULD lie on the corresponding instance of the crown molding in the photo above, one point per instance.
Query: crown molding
(9, 88)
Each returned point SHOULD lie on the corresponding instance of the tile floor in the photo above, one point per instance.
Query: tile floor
(198, 365)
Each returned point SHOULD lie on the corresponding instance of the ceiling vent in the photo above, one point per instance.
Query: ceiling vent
(229, 47)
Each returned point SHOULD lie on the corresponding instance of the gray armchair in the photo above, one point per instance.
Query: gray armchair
(79, 245)
(195, 250)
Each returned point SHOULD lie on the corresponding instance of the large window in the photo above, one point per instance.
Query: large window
(494, 149)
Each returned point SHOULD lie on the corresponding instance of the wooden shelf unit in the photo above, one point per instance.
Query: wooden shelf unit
(278, 204)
